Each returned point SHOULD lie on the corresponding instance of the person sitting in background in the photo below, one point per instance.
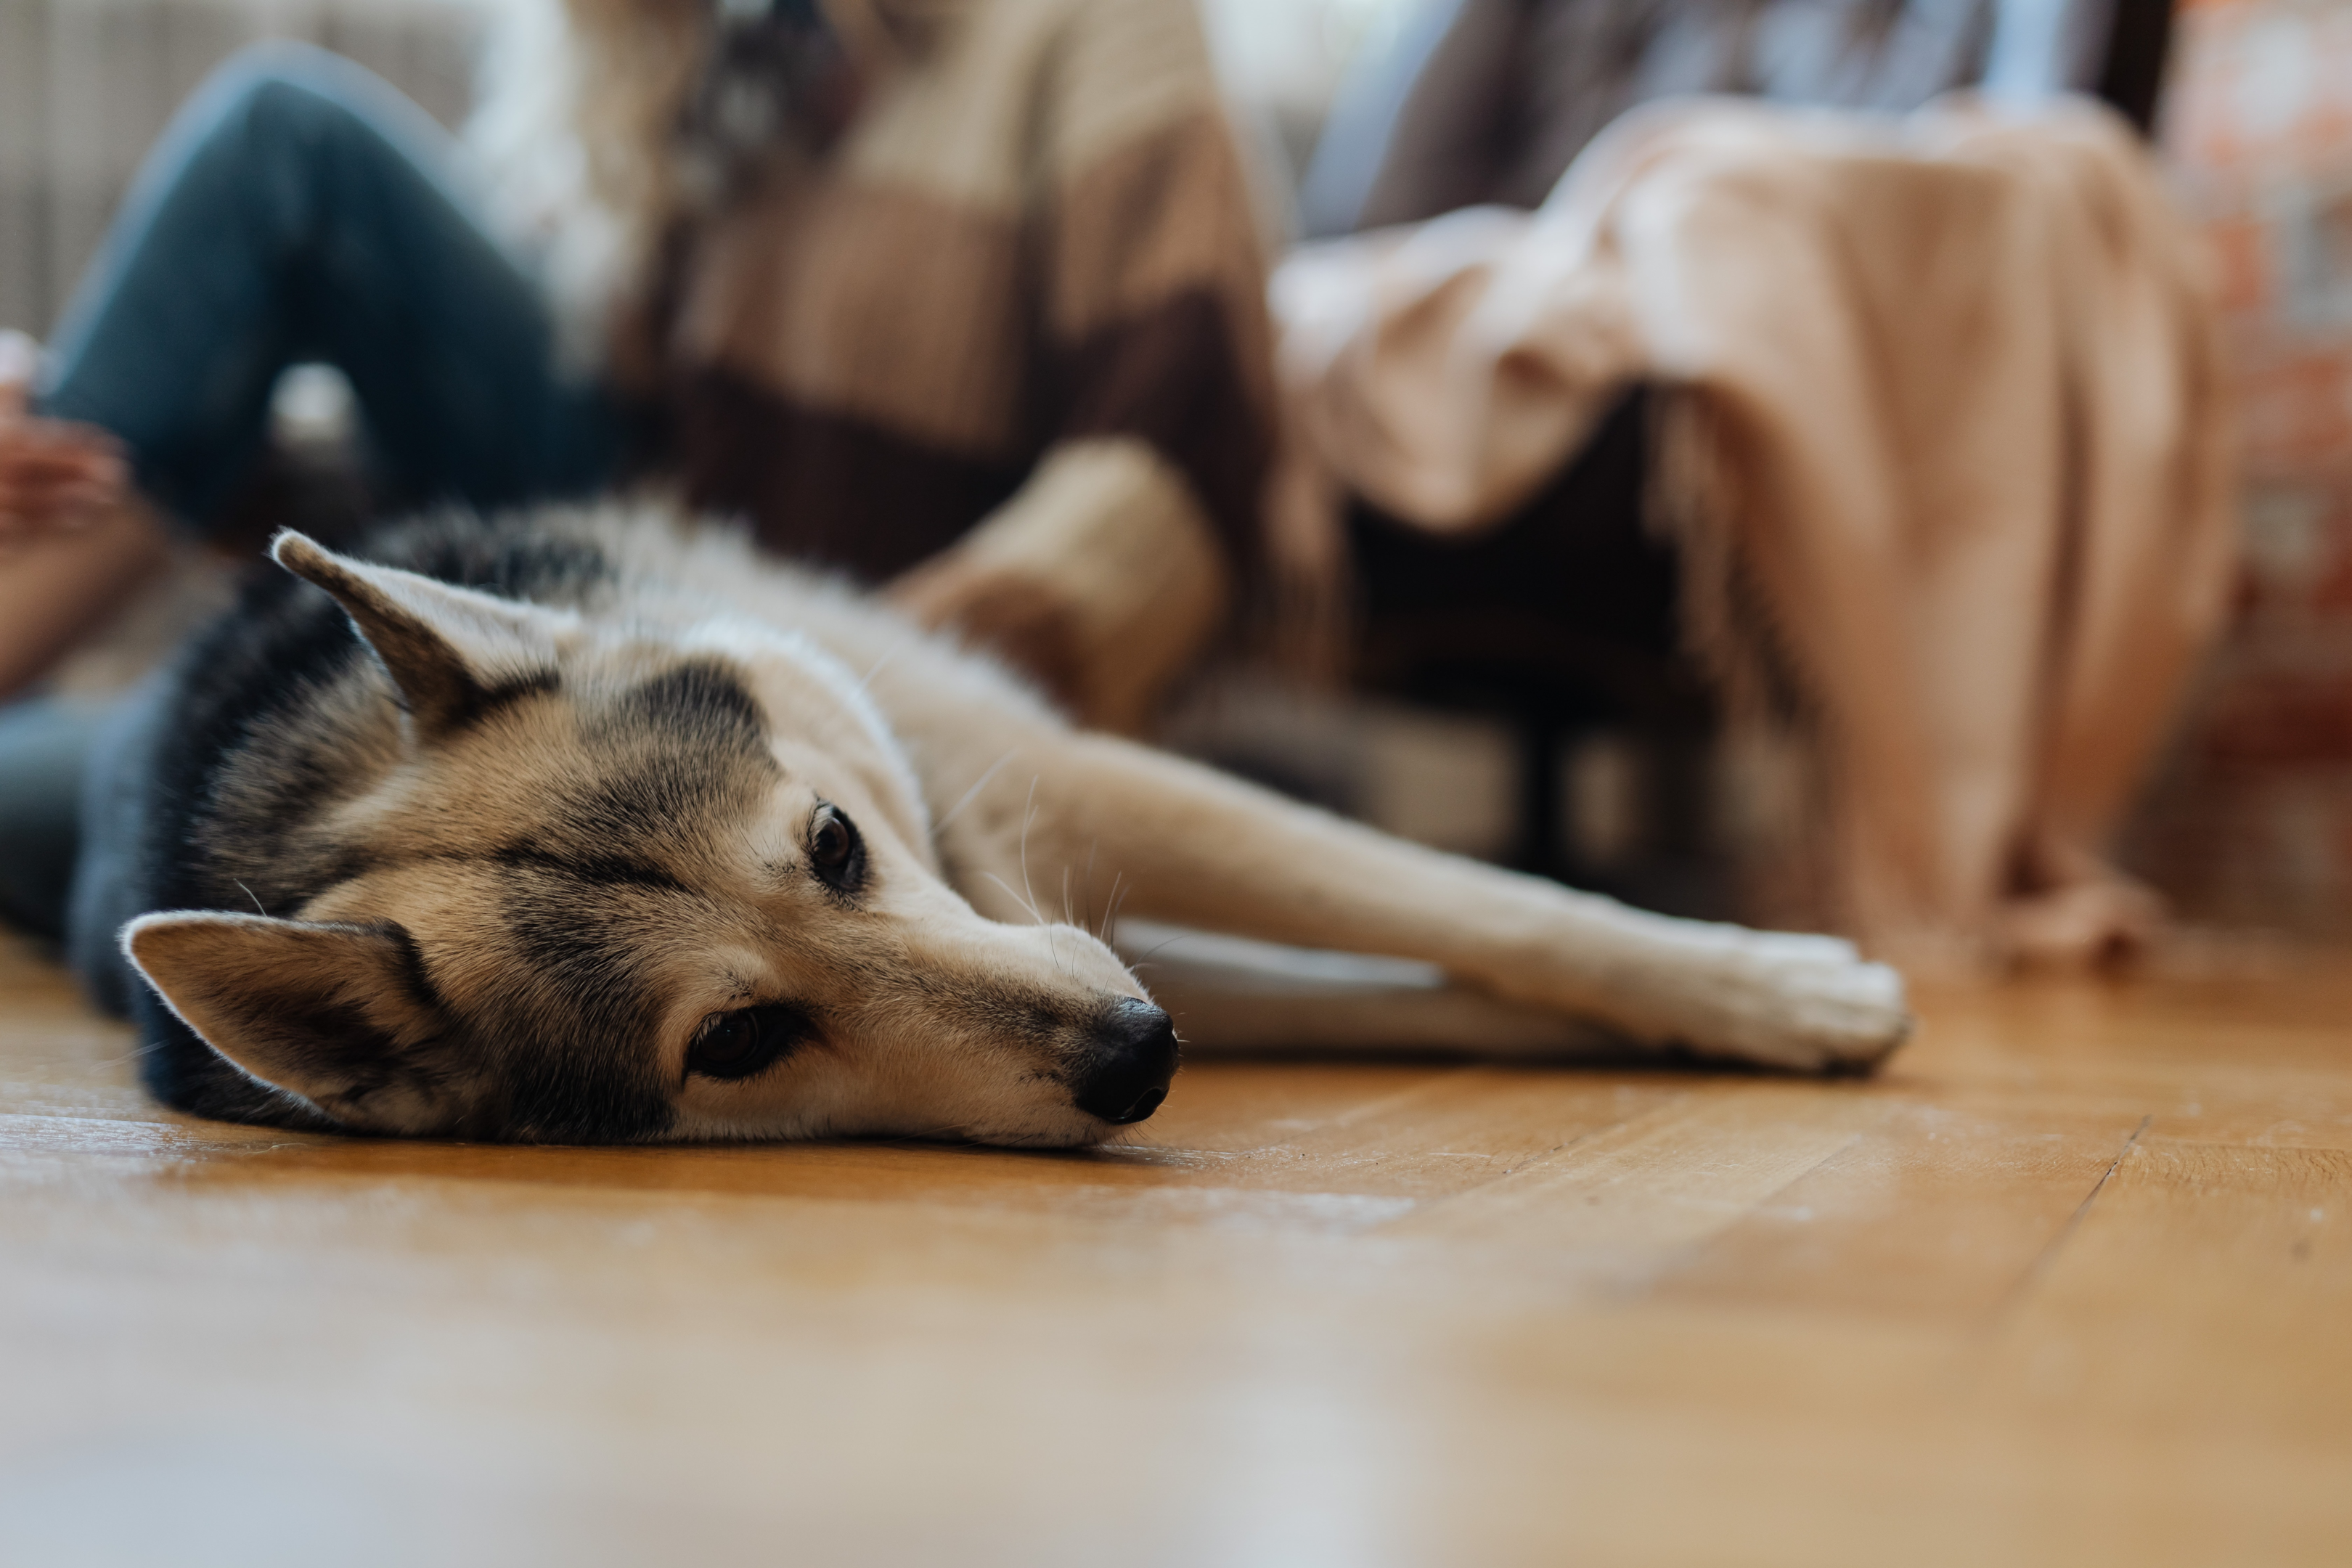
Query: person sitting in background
(962, 297)
(969, 286)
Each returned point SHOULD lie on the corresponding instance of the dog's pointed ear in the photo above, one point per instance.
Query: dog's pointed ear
(451, 651)
(342, 1015)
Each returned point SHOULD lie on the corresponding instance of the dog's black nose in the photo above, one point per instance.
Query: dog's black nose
(1134, 1056)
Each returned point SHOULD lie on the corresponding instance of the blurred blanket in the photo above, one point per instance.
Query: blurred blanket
(1947, 458)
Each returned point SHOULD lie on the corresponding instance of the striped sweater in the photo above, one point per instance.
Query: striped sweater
(1015, 313)
(1030, 261)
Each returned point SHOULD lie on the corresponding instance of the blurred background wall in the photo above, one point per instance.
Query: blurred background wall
(2253, 820)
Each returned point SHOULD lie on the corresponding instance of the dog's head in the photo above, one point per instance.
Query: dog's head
(598, 884)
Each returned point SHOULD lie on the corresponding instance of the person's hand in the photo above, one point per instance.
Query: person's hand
(54, 474)
(1098, 579)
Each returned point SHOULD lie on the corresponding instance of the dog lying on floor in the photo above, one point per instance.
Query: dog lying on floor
(590, 826)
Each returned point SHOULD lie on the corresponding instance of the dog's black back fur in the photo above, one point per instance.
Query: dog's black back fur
(153, 788)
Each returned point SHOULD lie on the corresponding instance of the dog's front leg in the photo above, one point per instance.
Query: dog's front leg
(1199, 848)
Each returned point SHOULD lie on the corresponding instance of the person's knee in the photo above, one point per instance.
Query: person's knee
(282, 93)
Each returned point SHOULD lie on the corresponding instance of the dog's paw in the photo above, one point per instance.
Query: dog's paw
(1784, 999)
(1809, 1002)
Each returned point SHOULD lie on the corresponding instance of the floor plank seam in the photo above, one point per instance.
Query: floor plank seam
(2045, 1260)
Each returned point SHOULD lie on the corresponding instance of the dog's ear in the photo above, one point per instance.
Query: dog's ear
(451, 651)
(341, 1014)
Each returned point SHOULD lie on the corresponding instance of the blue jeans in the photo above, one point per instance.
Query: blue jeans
(43, 748)
(299, 209)
(296, 210)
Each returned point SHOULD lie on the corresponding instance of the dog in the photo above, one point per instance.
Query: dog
(589, 824)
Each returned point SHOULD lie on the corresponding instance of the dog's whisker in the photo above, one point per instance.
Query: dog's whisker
(1146, 958)
(1111, 915)
(1028, 815)
(973, 793)
(1015, 895)
(879, 664)
(1088, 892)
(249, 893)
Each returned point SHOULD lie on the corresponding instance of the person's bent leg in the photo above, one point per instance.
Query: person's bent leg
(299, 208)
(42, 746)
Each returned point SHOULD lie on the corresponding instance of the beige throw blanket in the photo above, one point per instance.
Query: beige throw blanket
(1949, 461)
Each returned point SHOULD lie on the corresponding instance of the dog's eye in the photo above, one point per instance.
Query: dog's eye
(835, 851)
(748, 1041)
(830, 845)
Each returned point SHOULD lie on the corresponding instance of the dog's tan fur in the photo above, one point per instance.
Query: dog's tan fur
(952, 997)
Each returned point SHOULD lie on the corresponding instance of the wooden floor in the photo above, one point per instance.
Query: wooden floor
(2071, 1283)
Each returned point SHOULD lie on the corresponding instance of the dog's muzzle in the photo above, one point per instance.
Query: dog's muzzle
(1134, 1056)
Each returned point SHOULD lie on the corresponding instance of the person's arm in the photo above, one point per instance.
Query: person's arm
(1116, 558)
(55, 474)
(74, 534)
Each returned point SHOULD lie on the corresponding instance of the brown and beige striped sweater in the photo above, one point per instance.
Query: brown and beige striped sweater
(1025, 288)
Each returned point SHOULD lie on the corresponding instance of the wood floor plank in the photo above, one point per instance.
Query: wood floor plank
(2204, 1284)
(1931, 1213)
(1449, 1133)
(1627, 1200)
(2067, 1285)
